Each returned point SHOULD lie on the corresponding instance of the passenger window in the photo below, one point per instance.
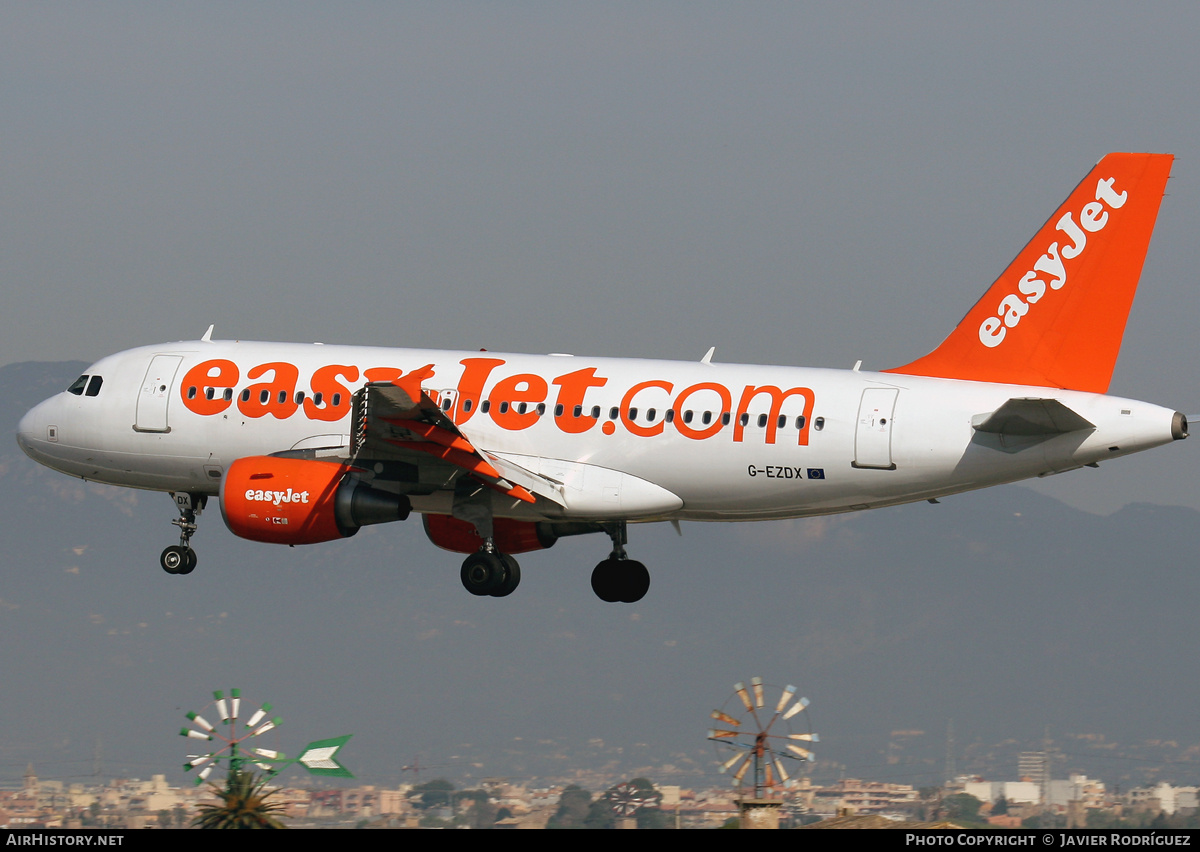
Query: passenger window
(595, 411)
(558, 410)
(485, 406)
(78, 385)
(504, 408)
(578, 411)
(318, 399)
(522, 407)
(94, 386)
(282, 397)
(246, 395)
(781, 422)
(687, 416)
(614, 413)
(299, 397)
(745, 419)
(670, 415)
(541, 409)
(707, 418)
(191, 394)
(228, 395)
(264, 396)
(446, 403)
(800, 422)
(650, 412)
(633, 414)
(762, 420)
(337, 400)
(209, 393)
(819, 423)
(725, 418)
(466, 405)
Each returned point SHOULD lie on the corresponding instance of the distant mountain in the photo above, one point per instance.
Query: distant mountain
(1004, 610)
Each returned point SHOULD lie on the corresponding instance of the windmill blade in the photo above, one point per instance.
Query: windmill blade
(193, 734)
(737, 776)
(726, 718)
(804, 753)
(718, 734)
(236, 703)
(197, 760)
(201, 721)
(796, 708)
(727, 764)
(808, 738)
(783, 776)
(266, 726)
(756, 683)
(740, 689)
(258, 716)
(222, 707)
(788, 692)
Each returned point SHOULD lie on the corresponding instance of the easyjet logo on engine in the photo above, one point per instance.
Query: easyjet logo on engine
(1053, 264)
(276, 498)
(513, 402)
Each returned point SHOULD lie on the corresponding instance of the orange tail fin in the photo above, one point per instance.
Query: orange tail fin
(1056, 316)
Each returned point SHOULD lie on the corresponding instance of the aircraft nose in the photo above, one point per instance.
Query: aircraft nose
(31, 431)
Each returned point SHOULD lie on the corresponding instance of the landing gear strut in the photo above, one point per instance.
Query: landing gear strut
(487, 571)
(619, 579)
(181, 559)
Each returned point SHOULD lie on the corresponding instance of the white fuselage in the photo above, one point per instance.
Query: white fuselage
(673, 440)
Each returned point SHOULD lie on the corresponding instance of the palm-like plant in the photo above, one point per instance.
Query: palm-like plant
(243, 804)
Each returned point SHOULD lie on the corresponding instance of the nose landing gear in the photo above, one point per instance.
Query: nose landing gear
(181, 559)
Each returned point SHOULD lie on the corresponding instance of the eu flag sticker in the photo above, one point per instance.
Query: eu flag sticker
(816, 473)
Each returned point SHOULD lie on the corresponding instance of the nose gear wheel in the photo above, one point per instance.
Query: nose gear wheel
(181, 559)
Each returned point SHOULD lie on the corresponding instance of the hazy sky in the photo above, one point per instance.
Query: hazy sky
(806, 184)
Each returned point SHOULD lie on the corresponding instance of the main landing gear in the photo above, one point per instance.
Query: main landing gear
(489, 572)
(181, 559)
(619, 579)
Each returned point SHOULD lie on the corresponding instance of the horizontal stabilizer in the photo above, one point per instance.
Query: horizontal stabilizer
(1027, 416)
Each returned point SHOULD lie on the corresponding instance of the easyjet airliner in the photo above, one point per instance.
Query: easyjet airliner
(503, 454)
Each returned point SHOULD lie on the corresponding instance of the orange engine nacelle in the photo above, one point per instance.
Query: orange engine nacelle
(509, 536)
(300, 501)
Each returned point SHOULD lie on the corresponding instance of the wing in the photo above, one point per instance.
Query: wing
(400, 421)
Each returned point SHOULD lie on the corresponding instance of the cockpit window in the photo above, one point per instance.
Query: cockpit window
(93, 387)
(78, 386)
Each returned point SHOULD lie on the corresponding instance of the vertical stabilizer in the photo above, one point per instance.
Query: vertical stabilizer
(1056, 316)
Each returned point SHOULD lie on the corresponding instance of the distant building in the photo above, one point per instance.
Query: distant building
(863, 797)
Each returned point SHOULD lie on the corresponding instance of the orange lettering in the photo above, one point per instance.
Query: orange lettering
(713, 428)
(507, 393)
(275, 397)
(325, 382)
(470, 386)
(382, 374)
(217, 374)
(644, 431)
(572, 388)
(777, 398)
